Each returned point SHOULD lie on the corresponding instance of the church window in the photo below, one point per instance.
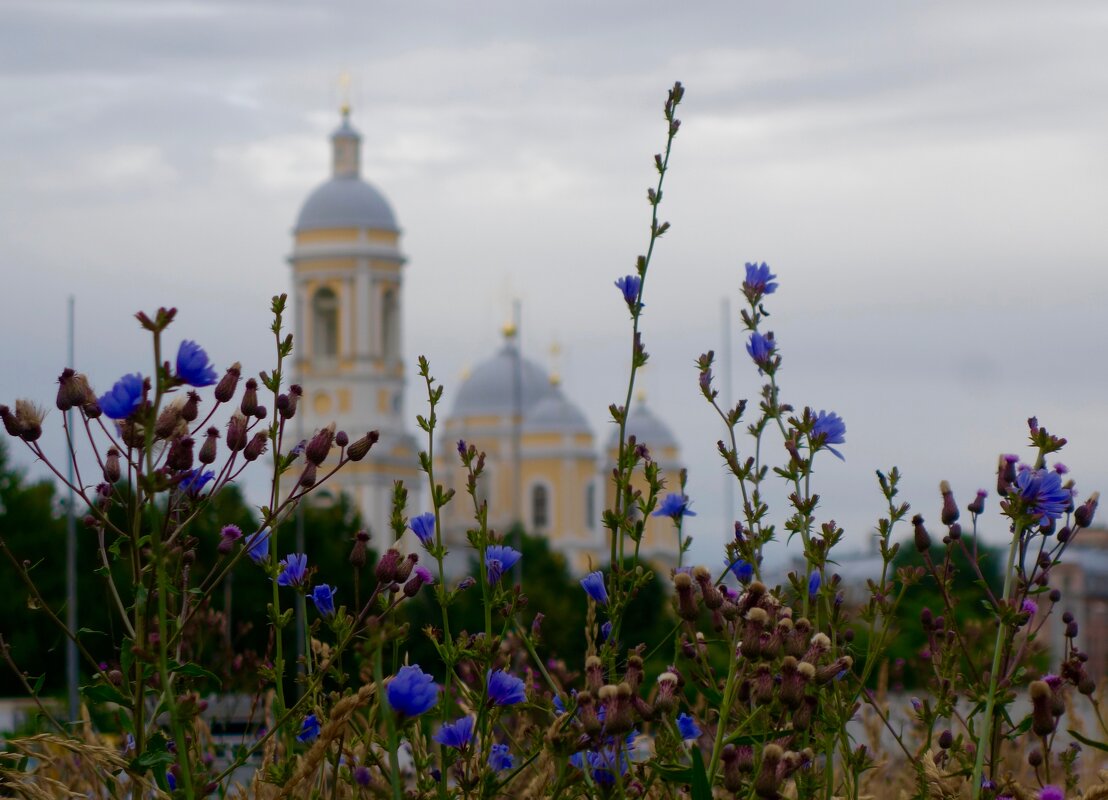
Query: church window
(540, 507)
(325, 324)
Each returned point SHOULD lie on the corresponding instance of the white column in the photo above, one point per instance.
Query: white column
(346, 310)
(362, 313)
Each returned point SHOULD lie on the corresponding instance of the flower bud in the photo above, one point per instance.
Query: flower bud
(922, 538)
(1042, 721)
(946, 739)
(236, 432)
(191, 409)
(404, 568)
(1084, 514)
(1005, 473)
(287, 406)
(29, 418)
(225, 389)
(249, 404)
(341, 439)
(255, 447)
(950, 508)
(11, 424)
(1035, 758)
(169, 420)
(358, 449)
(665, 700)
(308, 476)
(208, 449)
(386, 567)
(732, 776)
(712, 597)
(112, 471)
(686, 602)
(320, 445)
(73, 390)
(766, 784)
(978, 504)
(180, 454)
(633, 675)
(358, 554)
(594, 674)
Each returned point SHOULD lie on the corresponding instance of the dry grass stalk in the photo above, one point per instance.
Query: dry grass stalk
(341, 713)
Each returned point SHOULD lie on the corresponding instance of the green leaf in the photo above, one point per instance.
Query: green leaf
(755, 738)
(1090, 742)
(196, 671)
(105, 693)
(701, 788)
(155, 755)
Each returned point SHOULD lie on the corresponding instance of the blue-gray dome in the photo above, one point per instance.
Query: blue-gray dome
(346, 202)
(490, 389)
(646, 428)
(556, 414)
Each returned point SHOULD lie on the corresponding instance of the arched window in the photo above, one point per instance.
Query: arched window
(325, 324)
(390, 332)
(540, 507)
(590, 506)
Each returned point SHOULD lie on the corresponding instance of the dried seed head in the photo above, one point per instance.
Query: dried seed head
(112, 470)
(208, 448)
(249, 404)
(358, 449)
(29, 415)
(236, 432)
(320, 445)
(225, 389)
(256, 446)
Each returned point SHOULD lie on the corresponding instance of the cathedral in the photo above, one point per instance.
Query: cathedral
(544, 466)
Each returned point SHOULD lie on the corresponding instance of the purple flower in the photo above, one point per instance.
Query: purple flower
(630, 286)
(456, 734)
(259, 546)
(505, 689)
(759, 281)
(362, 775)
(605, 631)
(195, 480)
(293, 568)
(1043, 493)
(743, 570)
(593, 584)
(423, 527)
(499, 559)
(676, 506)
(814, 581)
(193, 366)
(1051, 793)
(761, 349)
(412, 692)
(424, 574)
(309, 729)
(686, 726)
(123, 398)
(828, 430)
(324, 598)
(500, 759)
(1030, 607)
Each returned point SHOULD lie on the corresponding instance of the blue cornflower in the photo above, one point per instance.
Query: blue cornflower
(456, 734)
(814, 581)
(630, 285)
(259, 547)
(828, 430)
(123, 398)
(292, 570)
(500, 558)
(1043, 493)
(593, 584)
(605, 761)
(761, 349)
(743, 570)
(505, 689)
(686, 726)
(195, 480)
(412, 692)
(676, 506)
(324, 598)
(193, 366)
(759, 280)
(500, 759)
(423, 527)
(309, 729)
(605, 631)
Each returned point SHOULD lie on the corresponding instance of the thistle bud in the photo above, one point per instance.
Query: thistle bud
(978, 504)
(236, 432)
(169, 420)
(191, 410)
(404, 567)
(802, 717)
(922, 538)
(180, 454)
(686, 602)
(586, 713)
(1071, 630)
(249, 404)
(766, 784)
(1084, 514)
(286, 403)
(208, 449)
(420, 576)
(1042, 721)
(255, 447)
(308, 476)
(225, 389)
(634, 673)
(386, 567)
(1005, 473)
(950, 508)
(1086, 685)
(665, 700)
(732, 776)
(112, 471)
(73, 390)
(594, 673)
(358, 449)
(1035, 758)
(761, 689)
(29, 418)
(712, 597)
(946, 739)
(11, 424)
(320, 445)
(358, 554)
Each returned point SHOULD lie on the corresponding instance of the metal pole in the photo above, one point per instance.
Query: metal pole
(71, 560)
(725, 392)
(517, 425)
(301, 622)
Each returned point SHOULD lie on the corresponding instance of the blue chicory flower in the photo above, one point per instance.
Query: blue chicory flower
(743, 570)
(324, 598)
(499, 559)
(559, 706)
(761, 349)
(362, 775)
(171, 781)
(423, 527)
(676, 506)
(456, 734)
(412, 692)
(759, 281)
(1043, 493)
(1049, 792)
(828, 430)
(593, 584)
(258, 550)
(309, 729)
(124, 397)
(505, 689)
(193, 366)
(195, 480)
(686, 726)
(630, 286)
(293, 568)
(814, 581)
(605, 631)
(500, 759)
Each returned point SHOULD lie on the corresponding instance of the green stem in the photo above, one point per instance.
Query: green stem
(390, 728)
(724, 711)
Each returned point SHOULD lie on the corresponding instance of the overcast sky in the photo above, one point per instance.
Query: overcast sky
(929, 182)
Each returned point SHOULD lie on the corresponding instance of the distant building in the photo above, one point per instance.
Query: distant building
(543, 466)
